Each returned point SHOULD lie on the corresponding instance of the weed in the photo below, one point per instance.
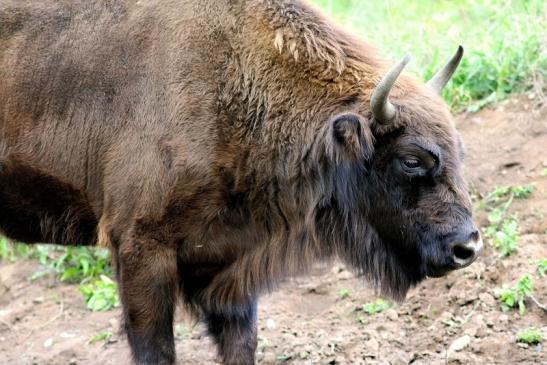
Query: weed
(90, 267)
(375, 307)
(503, 230)
(515, 296)
(73, 264)
(344, 293)
(522, 191)
(283, 358)
(100, 294)
(11, 251)
(542, 267)
(503, 196)
(101, 336)
(504, 235)
(530, 336)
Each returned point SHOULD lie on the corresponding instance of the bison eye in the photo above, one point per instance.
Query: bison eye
(412, 163)
(413, 166)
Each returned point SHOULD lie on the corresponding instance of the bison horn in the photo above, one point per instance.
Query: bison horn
(440, 79)
(380, 105)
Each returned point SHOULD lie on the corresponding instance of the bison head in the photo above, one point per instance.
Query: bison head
(398, 185)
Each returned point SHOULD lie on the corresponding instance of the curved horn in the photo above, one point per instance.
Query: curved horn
(440, 79)
(380, 106)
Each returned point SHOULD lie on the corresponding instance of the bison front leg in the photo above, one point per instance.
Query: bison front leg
(235, 333)
(147, 275)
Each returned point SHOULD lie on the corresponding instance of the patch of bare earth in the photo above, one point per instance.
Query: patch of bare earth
(307, 322)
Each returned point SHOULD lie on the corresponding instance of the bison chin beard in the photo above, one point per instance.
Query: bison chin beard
(391, 271)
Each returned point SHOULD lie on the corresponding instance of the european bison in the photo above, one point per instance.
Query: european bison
(218, 147)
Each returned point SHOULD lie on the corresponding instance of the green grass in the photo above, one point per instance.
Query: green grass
(504, 41)
(530, 336)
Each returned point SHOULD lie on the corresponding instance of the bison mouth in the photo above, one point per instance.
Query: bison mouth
(438, 272)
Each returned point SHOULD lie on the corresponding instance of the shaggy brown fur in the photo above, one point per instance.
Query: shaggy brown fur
(217, 147)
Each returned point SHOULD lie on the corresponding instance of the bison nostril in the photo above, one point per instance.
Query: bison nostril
(475, 236)
(463, 253)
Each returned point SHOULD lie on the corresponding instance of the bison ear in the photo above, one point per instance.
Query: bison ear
(351, 138)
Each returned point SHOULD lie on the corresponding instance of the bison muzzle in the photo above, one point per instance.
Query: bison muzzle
(218, 147)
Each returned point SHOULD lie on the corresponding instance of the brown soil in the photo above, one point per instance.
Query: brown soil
(307, 322)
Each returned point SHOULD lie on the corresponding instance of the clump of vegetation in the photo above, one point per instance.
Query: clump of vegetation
(73, 264)
(87, 266)
(542, 267)
(344, 293)
(530, 336)
(509, 57)
(379, 305)
(505, 195)
(503, 228)
(100, 294)
(101, 336)
(504, 235)
(10, 251)
(515, 297)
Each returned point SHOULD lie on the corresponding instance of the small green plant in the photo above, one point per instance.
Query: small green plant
(12, 251)
(101, 336)
(503, 229)
(504, 235)
(379, 305)
(344, 293)
(503, 196)
(542, 267)
(283, 357)
(100, 294)
(90, 267)
(74, 264)
(522, 191)
(530, 336)
(515, 297)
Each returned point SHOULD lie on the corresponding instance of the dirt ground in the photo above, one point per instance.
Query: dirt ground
(307, 322)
